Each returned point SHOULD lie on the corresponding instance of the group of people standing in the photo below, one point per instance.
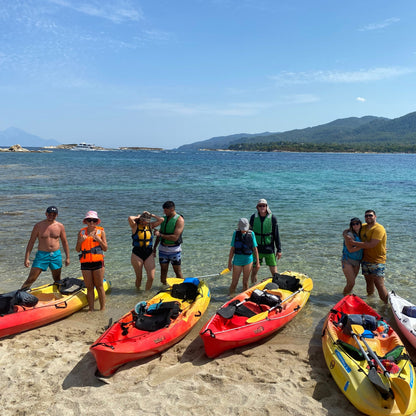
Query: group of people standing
(252, 242)
(365, 246)
(92, 243)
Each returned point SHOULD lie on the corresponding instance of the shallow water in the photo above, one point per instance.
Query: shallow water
(313, 196)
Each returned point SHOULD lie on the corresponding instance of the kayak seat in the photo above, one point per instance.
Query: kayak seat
(158, 316)
(262, 297)
(70, 285)
(185, 291)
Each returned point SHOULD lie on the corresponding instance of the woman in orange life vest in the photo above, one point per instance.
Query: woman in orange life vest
(142, 254)
(92, 243)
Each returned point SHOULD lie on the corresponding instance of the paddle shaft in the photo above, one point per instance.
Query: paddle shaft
(375, 356)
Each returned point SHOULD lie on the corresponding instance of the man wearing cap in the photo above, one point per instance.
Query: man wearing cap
(47, 232)
(266, 230)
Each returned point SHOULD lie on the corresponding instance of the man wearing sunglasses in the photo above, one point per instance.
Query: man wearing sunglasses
(48, 233)
(373, 265)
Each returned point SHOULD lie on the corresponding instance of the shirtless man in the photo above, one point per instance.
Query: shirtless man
(47, 232)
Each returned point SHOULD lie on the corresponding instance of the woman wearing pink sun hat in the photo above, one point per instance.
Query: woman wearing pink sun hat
(91, 244)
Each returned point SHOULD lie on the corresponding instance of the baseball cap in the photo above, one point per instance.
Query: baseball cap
(51, 209)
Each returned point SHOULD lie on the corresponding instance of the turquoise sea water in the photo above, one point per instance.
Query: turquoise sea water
(313, 196)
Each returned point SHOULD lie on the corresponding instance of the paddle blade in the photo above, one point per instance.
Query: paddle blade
(258, 317)
(402, 394)
(225, 271)
(375, 378)
(307, 284)
(227, 312)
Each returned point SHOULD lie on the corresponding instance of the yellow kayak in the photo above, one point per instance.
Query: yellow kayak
(367, 360)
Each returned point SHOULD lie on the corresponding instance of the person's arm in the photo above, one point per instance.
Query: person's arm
(368, 244)
(158, 221)
(30, 244)
(276, 237)
(65, 245)
(179, 226)
(81, 238)
(132, 221)
(230, 258)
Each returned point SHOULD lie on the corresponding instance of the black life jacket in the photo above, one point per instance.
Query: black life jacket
(243, 243)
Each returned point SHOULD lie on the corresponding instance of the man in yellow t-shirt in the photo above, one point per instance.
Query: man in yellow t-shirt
(374, 238)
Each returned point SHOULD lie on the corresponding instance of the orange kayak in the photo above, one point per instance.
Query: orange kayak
(150, 328)
(51, 306)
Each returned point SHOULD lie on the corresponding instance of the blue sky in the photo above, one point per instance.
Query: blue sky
(162, 73)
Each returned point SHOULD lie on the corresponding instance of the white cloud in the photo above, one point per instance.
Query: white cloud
(339, 77)
(361, 99)
(117, 11)
(381, 25)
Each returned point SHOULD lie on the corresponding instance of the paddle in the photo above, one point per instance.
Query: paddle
(372, 374)
(401, 388)
(307, 286)
(228, 311)
(225, 271)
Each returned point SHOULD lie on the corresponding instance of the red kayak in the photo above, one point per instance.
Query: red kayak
(153, 326)
(256, 313)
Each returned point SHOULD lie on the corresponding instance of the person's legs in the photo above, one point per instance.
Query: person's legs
(33, 275)
(164, 272)
(381, 288)
(56, 274)
(236, 276)
(89, 284)
(98, 280)
(150, 268)
(246, 275)
(350, 273)
(137, 264)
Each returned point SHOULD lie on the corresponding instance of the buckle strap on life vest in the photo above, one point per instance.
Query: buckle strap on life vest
(93, 250)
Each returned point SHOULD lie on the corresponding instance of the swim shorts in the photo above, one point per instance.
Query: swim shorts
(142, 252)
(93, 265)
(269, 257)
(377, 269)
(45, 259)
(174, 258)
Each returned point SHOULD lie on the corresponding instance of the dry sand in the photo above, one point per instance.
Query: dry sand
(50, 371)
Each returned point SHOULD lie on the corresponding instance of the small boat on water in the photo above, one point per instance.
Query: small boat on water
(367, 360)
(256, 313)
(84, 146)
(48, 303)
(152, 326)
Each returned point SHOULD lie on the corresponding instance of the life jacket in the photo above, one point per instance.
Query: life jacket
(143, 236)
(91, 250)
(263, 232)
(243, 243)
(168, 227)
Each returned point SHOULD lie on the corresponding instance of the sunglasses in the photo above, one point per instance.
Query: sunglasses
(355, 223)
(262, 205)
(368, 215)
(91, 220)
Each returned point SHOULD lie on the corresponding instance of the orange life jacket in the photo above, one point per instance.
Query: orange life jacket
(91, 250)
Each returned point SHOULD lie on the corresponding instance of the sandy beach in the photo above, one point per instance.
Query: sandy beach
(50, 371)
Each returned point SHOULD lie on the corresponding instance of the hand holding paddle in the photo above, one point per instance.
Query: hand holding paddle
(307, 286)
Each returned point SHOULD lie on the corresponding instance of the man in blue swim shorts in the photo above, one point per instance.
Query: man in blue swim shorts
(48, 233)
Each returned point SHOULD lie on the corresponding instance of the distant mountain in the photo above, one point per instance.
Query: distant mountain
(12, 136)
(220, 142)
(368, 129)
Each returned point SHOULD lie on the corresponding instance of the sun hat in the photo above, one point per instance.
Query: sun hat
(263, 201)
(51, 209)
(91, 214)
(243, 224)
